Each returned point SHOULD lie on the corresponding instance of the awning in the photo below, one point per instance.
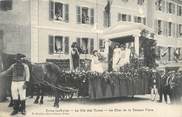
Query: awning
(124, 29)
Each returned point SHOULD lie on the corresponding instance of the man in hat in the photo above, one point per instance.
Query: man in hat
(162, 81)
(154, 88)
(20, 77)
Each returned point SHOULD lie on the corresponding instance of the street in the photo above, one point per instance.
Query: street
(126, 107)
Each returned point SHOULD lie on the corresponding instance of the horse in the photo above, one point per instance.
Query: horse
(46, 76)
(42, 75)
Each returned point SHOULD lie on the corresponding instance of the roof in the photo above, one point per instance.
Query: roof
(122, 29)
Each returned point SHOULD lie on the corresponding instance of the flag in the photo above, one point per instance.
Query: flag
(107, 12)
(108, 7)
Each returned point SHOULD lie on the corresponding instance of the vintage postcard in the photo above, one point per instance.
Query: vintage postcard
(90, 58)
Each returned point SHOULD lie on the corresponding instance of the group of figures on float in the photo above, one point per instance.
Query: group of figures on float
(121, 54)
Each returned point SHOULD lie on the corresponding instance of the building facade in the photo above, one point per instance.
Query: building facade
(45, 29)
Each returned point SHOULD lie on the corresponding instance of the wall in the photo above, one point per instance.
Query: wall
(42, 26)
(15, 25)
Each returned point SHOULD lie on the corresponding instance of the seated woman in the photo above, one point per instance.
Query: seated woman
(96, 65)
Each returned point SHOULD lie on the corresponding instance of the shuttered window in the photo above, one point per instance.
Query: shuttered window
(106, 19)
(66, 10)
(6, 5)
(179, 10)
(124, 17)
(159, 30)
(166, 28)
(171, 8)
(85, 15)
(101, 45)
(58, 44)
(173, 30)
(58, 11)
(1, 41)
(163, 5)
(78, 13)
(180, 30)
(169, 53)
(51, 46)
(91, 45)
(51, 10)
(92, 16)
(66, 43)
(86, 44)
(169, 29)
(138, 19)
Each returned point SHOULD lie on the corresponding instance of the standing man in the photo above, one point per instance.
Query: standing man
(172, 87)
(162, 79)
(155, 86)
(20, 77)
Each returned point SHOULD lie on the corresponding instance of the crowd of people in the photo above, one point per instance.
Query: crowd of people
(166, 84)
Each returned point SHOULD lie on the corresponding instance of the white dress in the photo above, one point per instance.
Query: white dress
(96, 65)
(116, 58)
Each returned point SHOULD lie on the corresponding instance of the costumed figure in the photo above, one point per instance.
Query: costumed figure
(96, 65)
(154, 88)
(75, 57)
(118, 57)
(20, 78)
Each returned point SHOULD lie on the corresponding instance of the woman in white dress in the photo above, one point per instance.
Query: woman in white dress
(118, 57)
(96, 65)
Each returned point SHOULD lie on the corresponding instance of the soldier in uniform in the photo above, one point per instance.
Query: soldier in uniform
(20, 77)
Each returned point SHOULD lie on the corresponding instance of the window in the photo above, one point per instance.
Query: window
(59, 11)
(169, 29)
(86, 45)
(159, 27)
(180, 30)
(107, 19)
(179, 10)
(159, 5)
(170, 8)
(140, 2)
(6, 5)
(1, 41)
(101, 45)
(124, 17)
(169, 53)
(137, 19)
(58, 45)
(85, 15)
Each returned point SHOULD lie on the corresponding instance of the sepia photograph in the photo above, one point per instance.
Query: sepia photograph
(91, 58)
